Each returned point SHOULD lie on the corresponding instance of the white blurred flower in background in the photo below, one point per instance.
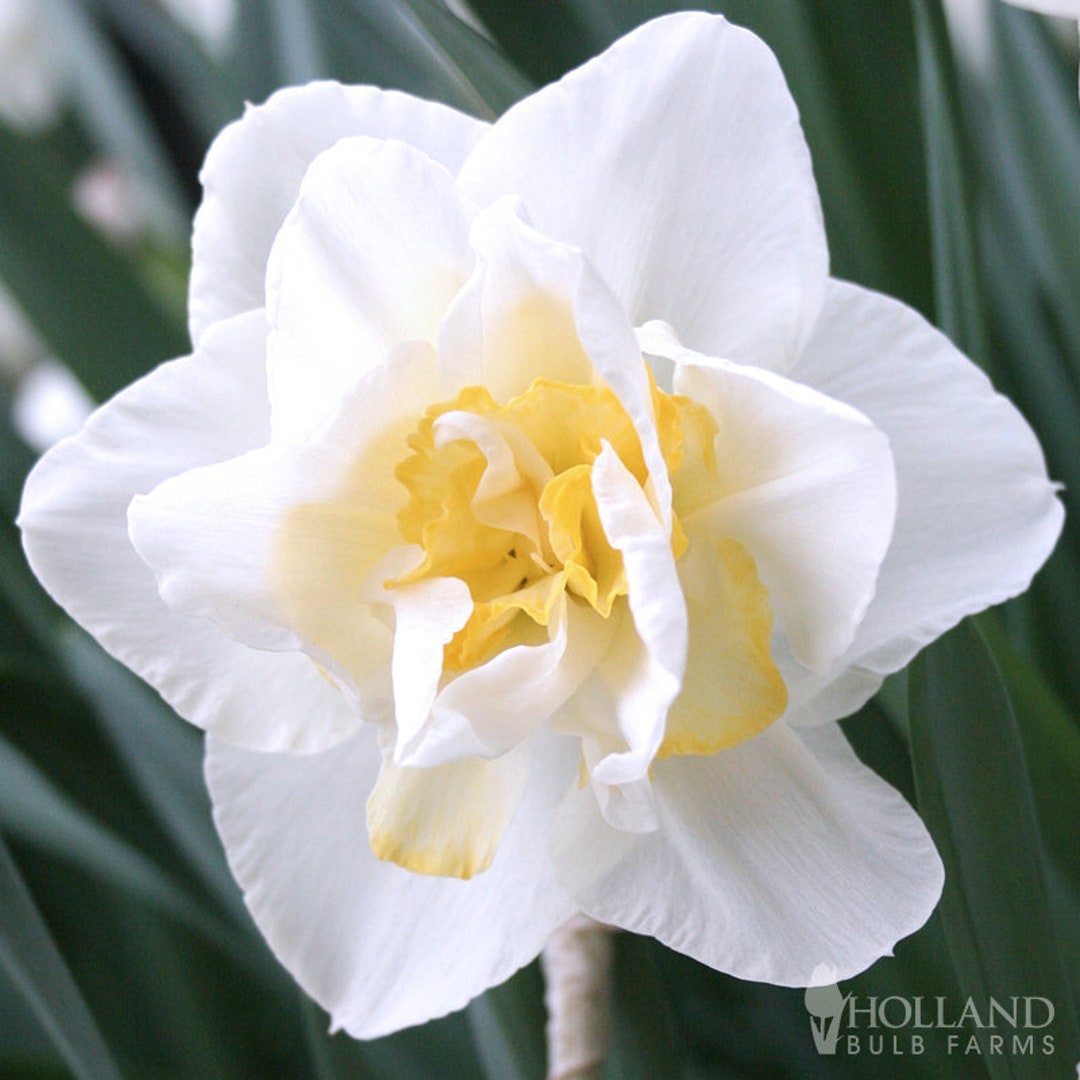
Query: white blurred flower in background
(35, 74)
(211, 21)
(32, 69)
(48, 402)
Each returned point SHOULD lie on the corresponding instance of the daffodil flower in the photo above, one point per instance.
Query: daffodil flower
(529, 510)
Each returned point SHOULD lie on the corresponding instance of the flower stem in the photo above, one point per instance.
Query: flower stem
(577, 962)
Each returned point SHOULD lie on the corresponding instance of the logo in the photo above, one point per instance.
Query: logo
(897, 1025)
(825, 1004)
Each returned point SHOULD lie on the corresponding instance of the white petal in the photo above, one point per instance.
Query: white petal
(620, 710)
(378, 947)
(676, 162)
(515, 320)
(976, 514)
(659, 617)
(74, 519)
(372, 253)
(276, 546)
(516, 472)
(537, 308)
(493, 707)
(602, 714)
(427, 615)
(806, 484)
(771, 858)
(732, 688)
(447, 820)
(253, 171)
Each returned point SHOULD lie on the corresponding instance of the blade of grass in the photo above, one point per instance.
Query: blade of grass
(975, 797)
(84, 298)
(33, 809)
(508, 1024)
(32, 962)
(162, 755)
(957, 287)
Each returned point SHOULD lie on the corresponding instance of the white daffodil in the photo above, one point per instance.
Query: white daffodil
(530, 508)
(32, 73)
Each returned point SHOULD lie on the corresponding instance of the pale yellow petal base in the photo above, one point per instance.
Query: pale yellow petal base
(446, 820)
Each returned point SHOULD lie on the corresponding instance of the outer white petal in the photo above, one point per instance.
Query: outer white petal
(976, 514)
(378, 947)
(806, 484)
(185, 414)
(253, 172)
(770, 858)
(275, 546)
(676, 162)
(370, 256)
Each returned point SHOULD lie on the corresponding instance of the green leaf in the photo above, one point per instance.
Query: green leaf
(296, 37)
(163, 756)
(206, 92)
(331, 1055)
(976, 800)
(1051, 739)
(32, 962)
(508, 1025)
(463, 54)
(418, 46)
(1036, 112)
(113, 113)
(547, 37)
(442, 1048)
(35, 810)
(956, 283)
(645, 1041)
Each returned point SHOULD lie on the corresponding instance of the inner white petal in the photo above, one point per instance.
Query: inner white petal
(650, 680)
(506, 497)
(427, 614)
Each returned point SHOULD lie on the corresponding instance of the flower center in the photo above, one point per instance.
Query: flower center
(501, 497)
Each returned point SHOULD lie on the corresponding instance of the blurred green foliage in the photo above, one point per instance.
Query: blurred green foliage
(124, 947)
